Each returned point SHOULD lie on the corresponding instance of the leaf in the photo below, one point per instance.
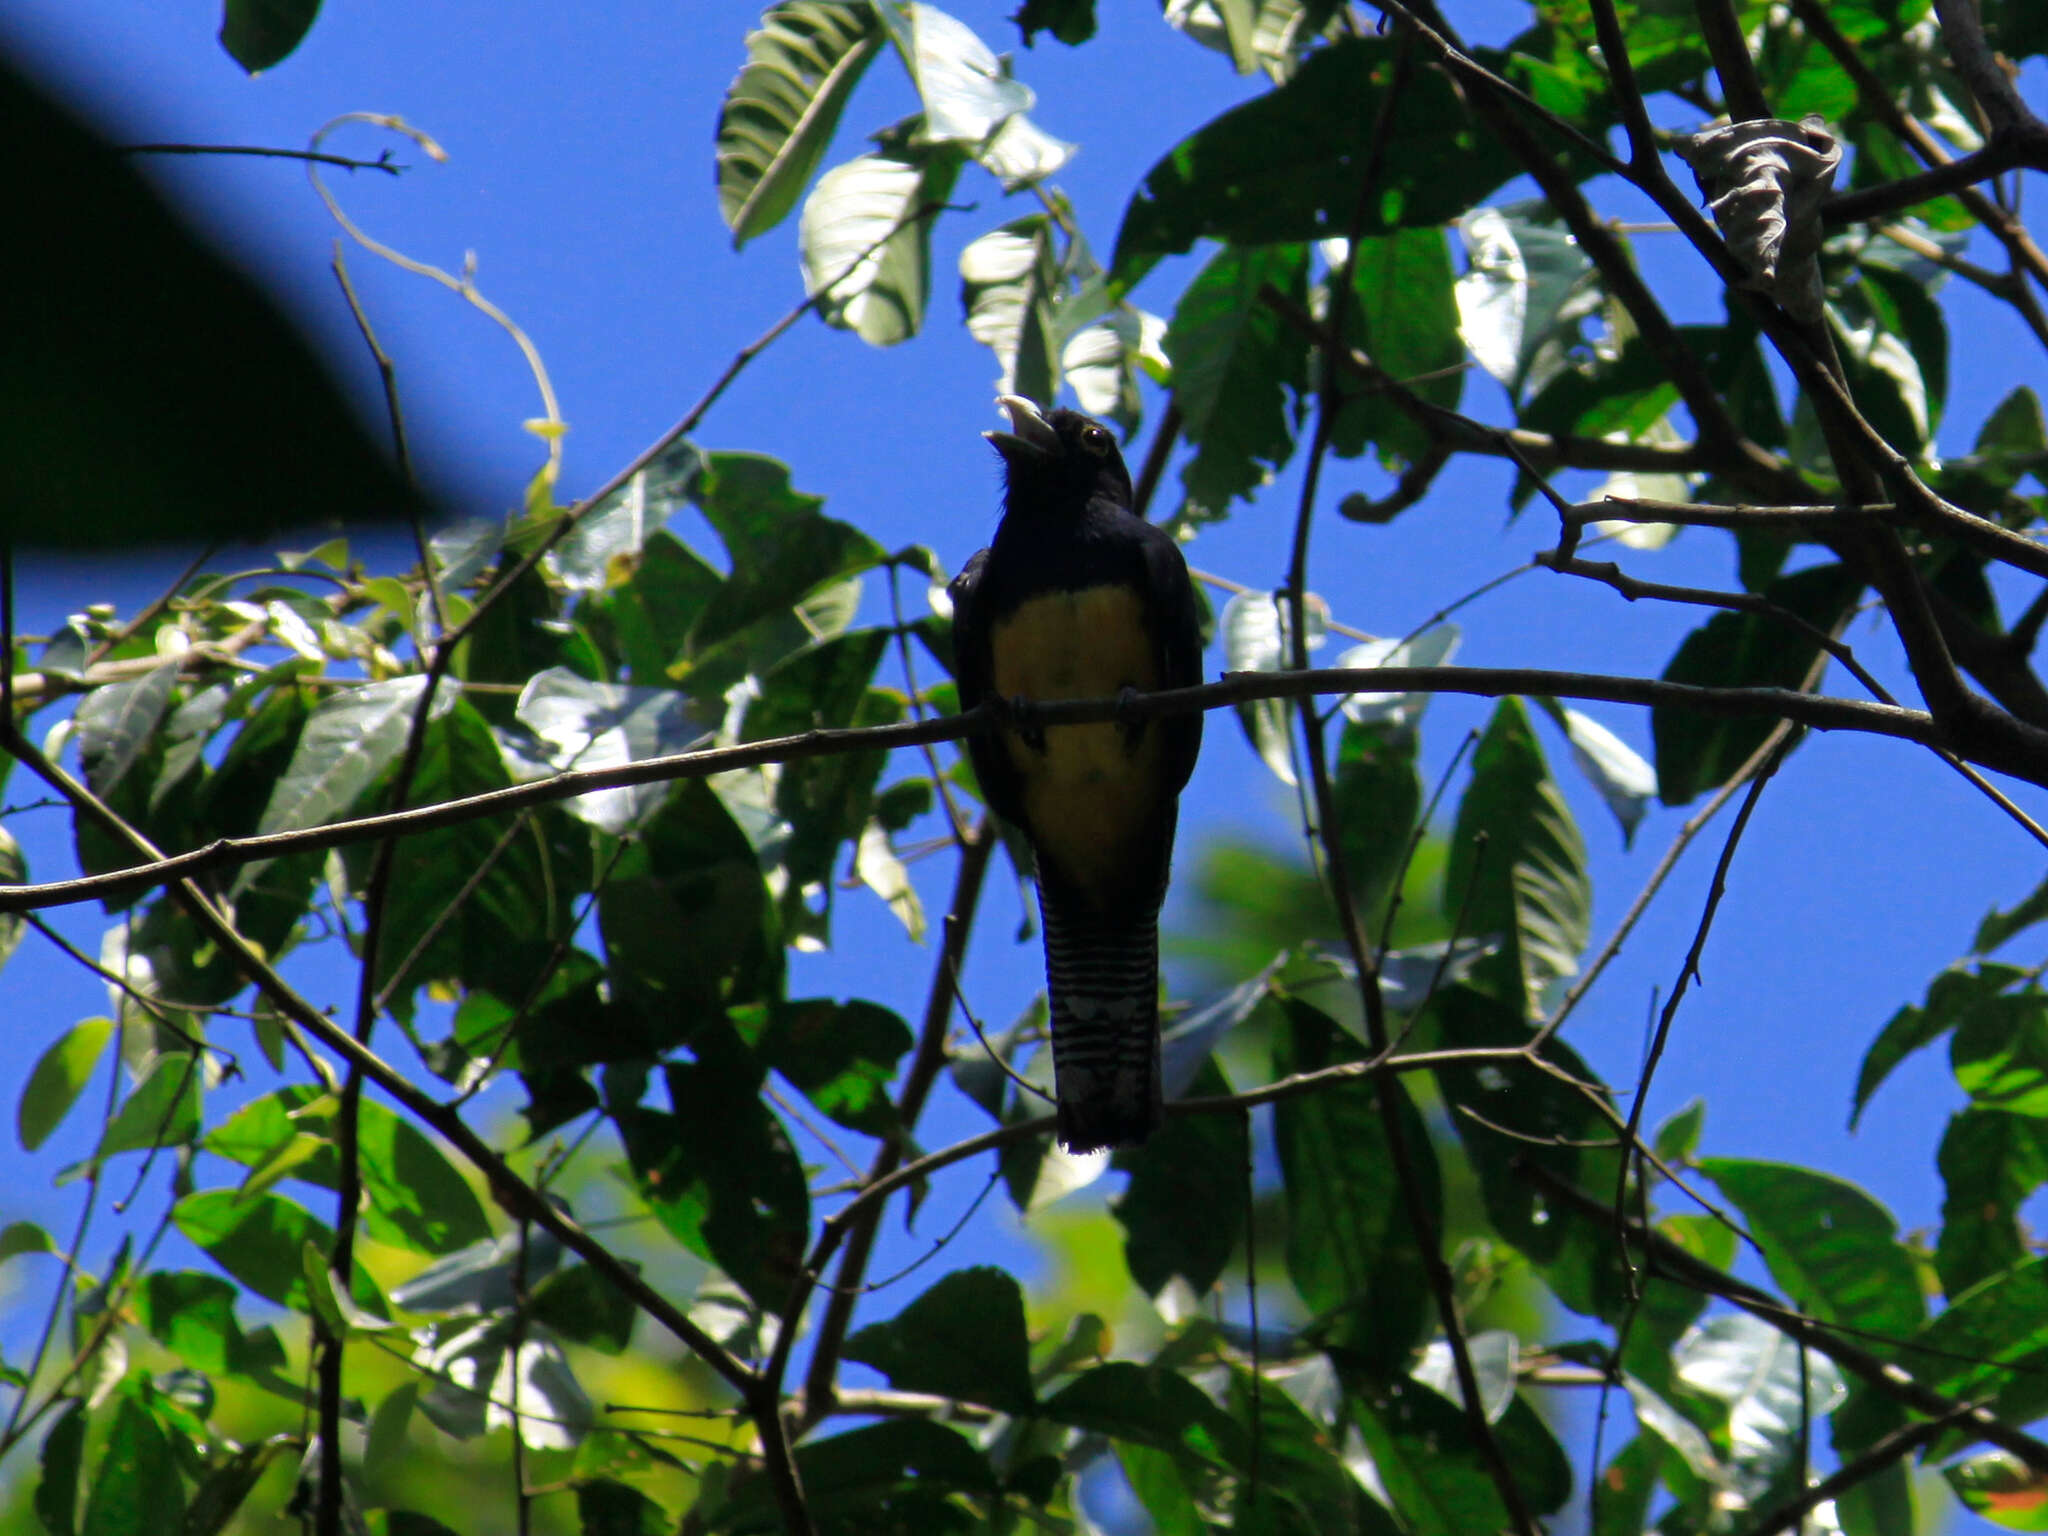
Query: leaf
(259, 1241)
(1407, 323)
(1421, 1455)
(901, 1469)
(261, 33)
(1071, 21)
(1990, 1163)
(227, 1486)
(1020, 154)
(608, 1508)
(1611, 765)
(1990, 1345)
(604, 549)
(1283, 166)
(1999, 927)
(782, 108)
(1510, 1113)
(1999, 1053)
(1833, 1249)
(1256, 639)
(1952, 996)
(1304, 1487)
(63, 1451)
(1235, 365)
(865, 239)
(581, 725)
(349, 739)
(1493, 1355)
(1433, 647)
(162, 1110)
(1152, 1406)
(1351, 1249)
(1102, 361)
(1526, 289)
(1695, 751)
(135, 1489)
(966, 90)
(843, 1056)
(146, 364)
(719, 1170)
(1009, 283)
(2001, 1489)
(59, 1077)
(116, 722)
(1756, 1373)
(1517, 863)
(1182, 1212)
(964, 1338)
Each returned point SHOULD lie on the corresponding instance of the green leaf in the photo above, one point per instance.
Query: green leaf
(1235, 365)
(1999, 1052)
(19, 1237)
(349, 739)
(56, 1495)
(1831, 1247)
(2001, 1489)
(1304, 1487)
(1009, 285)
(148, 363)
(1351, 1248)
(1696, 751)
(1102, 362)
(584, 1307)
(1183, 1210)
(1770, 1388)
(608, 1508)
(1421, 1451)
(1284, 166)
(1611, 765)
(260, 1241)
(719, 1170)
(843, 1056)
(1990, 1164)
(13, 871)
(59, 1077)
(162, 1110)
(116, 722)
(1509, 1113)
(193, 1316)
(581, 724)
(782, 551)
(1377, 796)
(1071, 21)
(1407, 323)
(2000, 926)
(966, 90)
(782, 108)
(1678, 1138)
(1952, 996)
(1526, 290)
(1152, 1406)
(902, 1470)
(964, 1338)
(865, 239)
(222, 1492)
(1255, 634)
(1518, 865)
(689, 927)
(1991, 1344)
(261, 33)
(136, 1490)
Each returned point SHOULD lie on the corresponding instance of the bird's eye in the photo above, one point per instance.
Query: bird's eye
(1096, 441)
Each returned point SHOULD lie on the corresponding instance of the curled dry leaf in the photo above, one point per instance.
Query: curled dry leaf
(1764, 182)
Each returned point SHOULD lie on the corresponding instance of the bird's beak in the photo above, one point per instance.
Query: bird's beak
(1030, 437)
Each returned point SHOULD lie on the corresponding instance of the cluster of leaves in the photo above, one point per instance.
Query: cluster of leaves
(619, 955)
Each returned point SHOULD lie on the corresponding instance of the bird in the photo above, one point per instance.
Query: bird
(1079, 597)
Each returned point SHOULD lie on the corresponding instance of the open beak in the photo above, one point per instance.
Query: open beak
(1030, 438)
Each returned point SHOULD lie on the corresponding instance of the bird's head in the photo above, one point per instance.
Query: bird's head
(1058, 460)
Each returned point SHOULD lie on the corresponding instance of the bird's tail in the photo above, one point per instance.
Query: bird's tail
(1102, 981)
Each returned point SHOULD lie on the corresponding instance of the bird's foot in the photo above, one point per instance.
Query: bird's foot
(1020, 715)
(1129, 724)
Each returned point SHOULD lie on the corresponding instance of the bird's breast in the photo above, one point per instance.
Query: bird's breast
(1092, 793)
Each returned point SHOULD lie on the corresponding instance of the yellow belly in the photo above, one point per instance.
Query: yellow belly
(1091, 793)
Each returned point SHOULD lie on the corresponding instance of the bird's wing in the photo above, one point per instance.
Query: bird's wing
(1177, 620)
(974, 675)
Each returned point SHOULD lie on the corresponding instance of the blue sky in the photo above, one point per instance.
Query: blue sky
(580, 175)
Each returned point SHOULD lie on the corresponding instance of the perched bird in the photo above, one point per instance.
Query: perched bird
(1080, 598)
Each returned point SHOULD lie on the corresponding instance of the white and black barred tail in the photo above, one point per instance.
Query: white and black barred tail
(1102, 982)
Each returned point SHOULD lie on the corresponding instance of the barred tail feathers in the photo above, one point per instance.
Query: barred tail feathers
(1102, 982)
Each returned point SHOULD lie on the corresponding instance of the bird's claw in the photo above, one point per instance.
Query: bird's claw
(1129, 725)
(1018, 714)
